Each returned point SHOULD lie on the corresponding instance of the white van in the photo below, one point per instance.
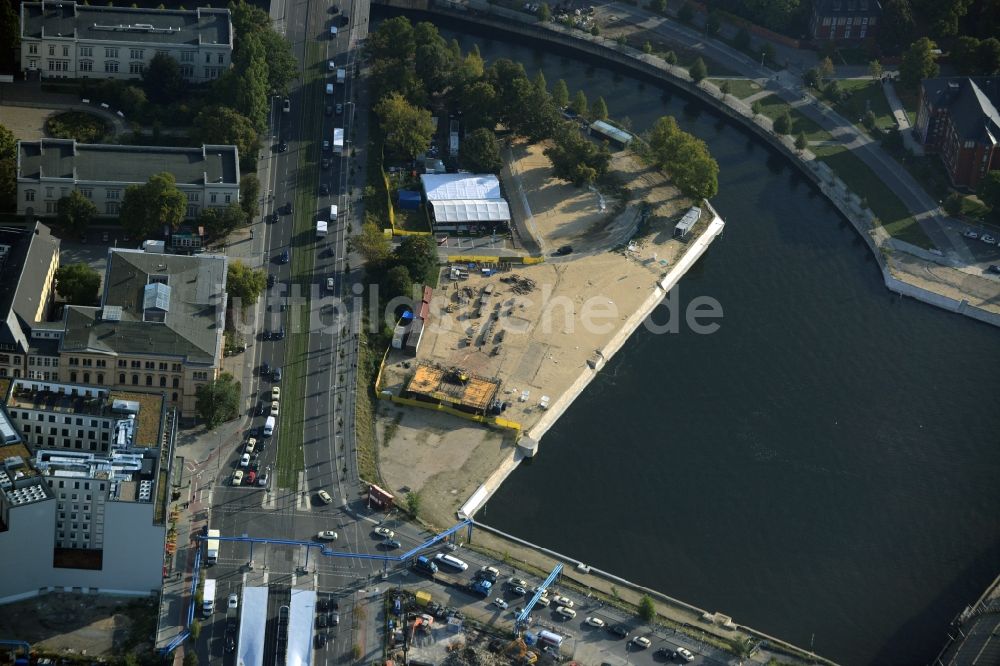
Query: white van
(333, 32)
(333, 213)
(269, 426)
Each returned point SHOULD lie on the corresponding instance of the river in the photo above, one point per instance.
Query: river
(823, 468)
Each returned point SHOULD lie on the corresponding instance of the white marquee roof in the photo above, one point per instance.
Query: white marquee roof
(451, 186)
(479, 210)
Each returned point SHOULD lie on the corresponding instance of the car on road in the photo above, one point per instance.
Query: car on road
(238, 477)
(262, 480)
(328, 110)
(327, 535)
(500, 603)
(340, 108)
(321, 621)
(230, 643)
(282, 147)
(245, 460)
(562, 601)
(595, 622)
(564, 250)
(251, 445)
(274, 408)
(969, 233)
(280, 334)
(989, 240)
(276, 375)
(641, 642)
(331, 65)
(566, 613)
(683, 654)
(234, 601)
(270, 283)
(326, 162)
(384, 532)
(326, 145)
(325, 497)
(330, 284)
(543, 601)
(320, 640)
(284, 257)
(273, 217)
(619, 630)
(288, 208)
(334, 619)
(390, 544)
(324, 191)
(286, 105)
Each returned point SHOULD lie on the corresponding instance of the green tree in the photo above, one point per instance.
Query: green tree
(756, 107)
(742, 40)
(670, 58)
(989, 190)
(560, 94)
(647, 47)
(191, 658)
(825, 69)
(897, 26)
(251, 92)
(600, 110)
(75, 212)
(195, 629)
(419, 255)
(147, 209)
(218, 400)
(162, 80)
(78, 284)
(658, 6)
(869, 120)
(8, 169)
(875, 69)
(541, 85)
(249, 194)
(220, 222)
(713, 23)
(686, 13)
(919, 62)
(408, 129)
(685, 158)
(371, 243)
(224, 125)
(725, 89)
(9, 26)
(393, 40)
(647, 609)
(595, 29)
(544, 12)
(579, 105)
(245, 283)
(412, 503)
(698, 70)
(801, 142)
(811, 78)
(575, 158)
(988, 56)
(397, 283)
(435, 66)
(783, 123)
(963, 54)
(480, 152)
(282, 66)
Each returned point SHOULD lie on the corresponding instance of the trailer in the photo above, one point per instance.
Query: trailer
(208, 598)
(212, 548)
(338, 140)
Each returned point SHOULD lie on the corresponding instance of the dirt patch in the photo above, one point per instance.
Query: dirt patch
(91, 625)
(27, 124)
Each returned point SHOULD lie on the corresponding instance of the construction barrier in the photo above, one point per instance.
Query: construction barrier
(492, 259)
(495, 421)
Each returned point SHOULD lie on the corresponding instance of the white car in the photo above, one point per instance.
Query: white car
(492, 571)
(251, 444)
(331, 65)
(683, 653)
(327, 535)
(517, 582)
(595, 622)
(537, 588)
(989, 240)
(325, 497)
(543, 601)
(238, 477)
(234, 601)
(969, 233)
(500, 603)
(567, 613)
(384, 532)
(274, 408)
(245, 460)
(562, 601)
(641, 642)
(275, 393)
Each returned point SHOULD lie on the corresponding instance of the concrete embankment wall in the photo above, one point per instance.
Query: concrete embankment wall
(849, 204)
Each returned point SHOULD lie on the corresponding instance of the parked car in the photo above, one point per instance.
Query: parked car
(566, 613)
(275, 393)
(500, 603)
(564, 250)
(262, 480)
(595, 622)
(234, 601)
(245, 460)
(989, 240)
(516, 582)
(384, 532)
(390, 544)
(276, 375)
(251, 445)
(324, 191)
(489, 573)
(334, 619)
(994, 268)
(518, 591)
(252, 474)
(238, 477)
(562, 601)
(325, 162)
(327, 535)
(683, 654)
(340, 108)
(969, 233)
(619, 630)
(641, 642)
(321, 621)
(328, 110)
(320, 640)
(270, 283)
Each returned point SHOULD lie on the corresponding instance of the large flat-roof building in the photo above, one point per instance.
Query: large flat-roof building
(465, 202)
(159, 326)
(28, 339)
(60, 38)
(89, 516)
(49, 169)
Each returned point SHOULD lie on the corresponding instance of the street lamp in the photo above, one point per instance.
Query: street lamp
(762, 58)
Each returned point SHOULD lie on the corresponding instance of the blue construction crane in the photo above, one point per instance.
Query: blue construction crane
(523, 615)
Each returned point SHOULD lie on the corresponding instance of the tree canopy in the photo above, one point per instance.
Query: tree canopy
(219, 222)
(218, 400)
(224, 125)
(480, 152)
(162, 80)
(371, 243)
(147, 209)
(408, 129)
(419, 255)
(79, 284)
(8, 168)
(685, 158)
(75, 212)
(919, 62)
(245, 283)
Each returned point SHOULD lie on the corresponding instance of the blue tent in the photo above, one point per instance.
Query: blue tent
(409, 200)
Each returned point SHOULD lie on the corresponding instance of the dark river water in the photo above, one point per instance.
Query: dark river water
(824, 468)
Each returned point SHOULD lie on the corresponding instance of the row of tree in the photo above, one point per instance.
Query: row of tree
(685, 158)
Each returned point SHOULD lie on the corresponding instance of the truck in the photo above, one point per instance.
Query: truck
(208, 598)
(482, 586)
(425, 565)
(341, 75)
(338, 140)
(212, 549)
(320, 228)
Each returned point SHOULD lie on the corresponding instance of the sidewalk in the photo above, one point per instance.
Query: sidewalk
(902, 120)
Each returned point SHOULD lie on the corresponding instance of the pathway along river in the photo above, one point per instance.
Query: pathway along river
(823, 468)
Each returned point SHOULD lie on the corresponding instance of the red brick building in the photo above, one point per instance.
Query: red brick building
(957, 118)
(844, 20)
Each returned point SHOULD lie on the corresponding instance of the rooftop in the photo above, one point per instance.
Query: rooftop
(19, 481)
(121, 24)
(105, 163)
(25, 258)
(132, 473)
(464, 186)
(972, 102)
(482, 210)
(148, 421)
(609, 130)
(183, 318)
(453, 385)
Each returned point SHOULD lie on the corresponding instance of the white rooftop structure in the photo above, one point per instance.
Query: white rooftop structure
(460, 186)
(301, 611)
(612, 132)
(460, 210)
(253, 623)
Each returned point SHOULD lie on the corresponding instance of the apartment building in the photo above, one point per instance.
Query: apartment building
(64, 39)
(844, 20)
(29, 339)
(85, 516)
(49, 169)
(159, 326)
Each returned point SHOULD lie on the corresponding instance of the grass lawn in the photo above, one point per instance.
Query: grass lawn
(864, 182)
(865, 94)
(851, 57)
(84, 127)
(739, 88)
(773, 106)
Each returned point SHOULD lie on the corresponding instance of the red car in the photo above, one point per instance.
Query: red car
(251, 478)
